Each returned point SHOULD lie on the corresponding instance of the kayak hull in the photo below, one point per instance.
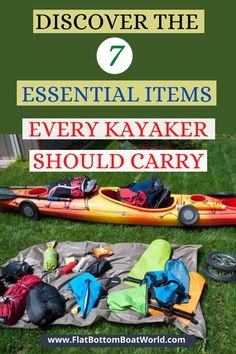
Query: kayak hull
(103, 208)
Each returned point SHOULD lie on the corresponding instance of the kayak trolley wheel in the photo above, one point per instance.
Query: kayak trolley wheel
(222, 261)
(29, 210)
(222, 195)
(219, 275)
(188, 215)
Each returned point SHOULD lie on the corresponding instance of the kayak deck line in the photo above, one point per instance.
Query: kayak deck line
(111, 212)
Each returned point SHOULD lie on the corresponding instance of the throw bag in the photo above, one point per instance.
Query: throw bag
(15, 270)
(87, 290)
(50, 259)
(77, 187)
(12, 304)
(154, 258)
(44, 304)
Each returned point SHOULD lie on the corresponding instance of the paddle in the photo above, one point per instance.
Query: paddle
(175, 312)
(222, 195)
(7, 194)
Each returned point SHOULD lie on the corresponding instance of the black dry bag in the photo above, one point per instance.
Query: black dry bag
(44, 304)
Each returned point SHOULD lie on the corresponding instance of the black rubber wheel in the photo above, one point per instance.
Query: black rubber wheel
(220, 276)
(222, 261)
(29, 210)
(222, 195)
(188, 215)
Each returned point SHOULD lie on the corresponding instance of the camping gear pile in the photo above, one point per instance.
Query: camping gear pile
(126, 283)
(221, 267)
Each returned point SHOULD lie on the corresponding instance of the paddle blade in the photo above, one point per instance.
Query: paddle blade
(6, 194)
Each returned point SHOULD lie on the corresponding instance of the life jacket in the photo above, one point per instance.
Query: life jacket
(171, 286)
(44, 304)
(196, 286)
(77, 187)
(143, 194)
(12, 303)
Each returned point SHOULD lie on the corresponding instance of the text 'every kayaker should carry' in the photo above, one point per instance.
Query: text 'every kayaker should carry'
(107, 128)
(122, 160)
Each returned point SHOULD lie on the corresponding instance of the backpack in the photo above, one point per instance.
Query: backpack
(144, 194)
(44, 304)
(12, 303)
(77, 187)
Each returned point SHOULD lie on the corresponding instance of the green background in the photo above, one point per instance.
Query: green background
(208, 56)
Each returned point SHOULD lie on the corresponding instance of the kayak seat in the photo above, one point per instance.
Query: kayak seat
(164, 200)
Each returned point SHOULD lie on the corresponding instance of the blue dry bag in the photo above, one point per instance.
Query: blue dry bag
(87, 291)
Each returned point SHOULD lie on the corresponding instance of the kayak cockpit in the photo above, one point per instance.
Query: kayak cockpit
(110, 193)
(229, 202)
(40, 191)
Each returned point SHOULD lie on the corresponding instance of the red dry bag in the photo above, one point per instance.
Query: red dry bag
(139, 199)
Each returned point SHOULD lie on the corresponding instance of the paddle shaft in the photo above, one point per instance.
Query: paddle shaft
(175, 312)
(38, 197)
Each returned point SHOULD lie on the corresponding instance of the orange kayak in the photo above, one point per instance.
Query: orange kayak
(179, 209)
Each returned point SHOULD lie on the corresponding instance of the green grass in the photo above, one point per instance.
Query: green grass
(218, 301)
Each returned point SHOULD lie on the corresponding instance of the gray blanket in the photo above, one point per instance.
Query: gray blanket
(124, 258)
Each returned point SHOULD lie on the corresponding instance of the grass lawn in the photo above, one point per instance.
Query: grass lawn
(218, 302)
